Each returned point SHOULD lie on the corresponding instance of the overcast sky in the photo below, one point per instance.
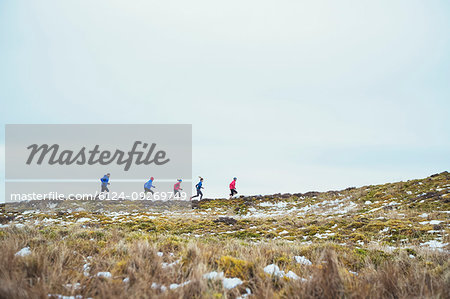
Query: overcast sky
(289, 96)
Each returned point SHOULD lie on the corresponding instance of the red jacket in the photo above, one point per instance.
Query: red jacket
(233, 185)
(177, 186)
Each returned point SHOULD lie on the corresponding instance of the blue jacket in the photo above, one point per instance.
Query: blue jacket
(149, 184)
(104, 180)
(199, 185)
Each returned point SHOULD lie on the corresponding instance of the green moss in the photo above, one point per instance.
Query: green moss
(246, 235)
(355, 224)
(411, 251)
(358, 237)
(140, 225)
(120, 267)
(361, 252)
(234, 267)
(374, 226)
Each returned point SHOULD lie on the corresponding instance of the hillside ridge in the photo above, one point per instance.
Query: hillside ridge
(390, 240)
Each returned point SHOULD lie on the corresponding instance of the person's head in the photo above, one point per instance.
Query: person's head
(201, 179)
(235, 178)
(108, 174)
(152, 178)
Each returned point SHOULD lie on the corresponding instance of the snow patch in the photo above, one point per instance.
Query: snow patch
(230, 283)
(83, 220)
(104, 274)
(86, 269)
(432, 222)
(273, 269)
(292, 275)
(434, 244)
(174, 286)
(302, 260)
(23, 252)
(167, 265)
(213, 275)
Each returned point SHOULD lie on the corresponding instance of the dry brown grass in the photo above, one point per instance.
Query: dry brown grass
(373, 250)
(58, 257)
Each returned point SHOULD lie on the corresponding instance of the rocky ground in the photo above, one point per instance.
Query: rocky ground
(388, 240)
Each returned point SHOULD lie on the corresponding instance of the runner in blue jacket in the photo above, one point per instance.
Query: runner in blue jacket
(105, 182)
(199, 191)
(148, 186)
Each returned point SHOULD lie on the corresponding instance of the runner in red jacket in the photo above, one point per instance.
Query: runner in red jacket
(233, 187)
(177, 188)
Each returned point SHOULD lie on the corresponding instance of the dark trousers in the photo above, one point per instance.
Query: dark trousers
(233, 192)
(199, 192)
(148, 190)
(105, 188)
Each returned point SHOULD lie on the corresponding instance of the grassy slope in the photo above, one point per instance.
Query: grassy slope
(386, 240)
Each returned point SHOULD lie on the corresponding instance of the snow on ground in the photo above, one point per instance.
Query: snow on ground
(302, 260)
(432, 222)
(230, 283)
(213, 275)
(280, 204)
(274, 270)
(167, 265)
(23, 252)
(174, 286)
(434, 244)
(324, 235)
(86, 269)
(82, 220)
(292, 275)
(59, 296)
(281, 208)
(104, 274)
(162, 287)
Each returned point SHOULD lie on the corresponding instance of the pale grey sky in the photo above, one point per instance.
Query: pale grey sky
(288, 96)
